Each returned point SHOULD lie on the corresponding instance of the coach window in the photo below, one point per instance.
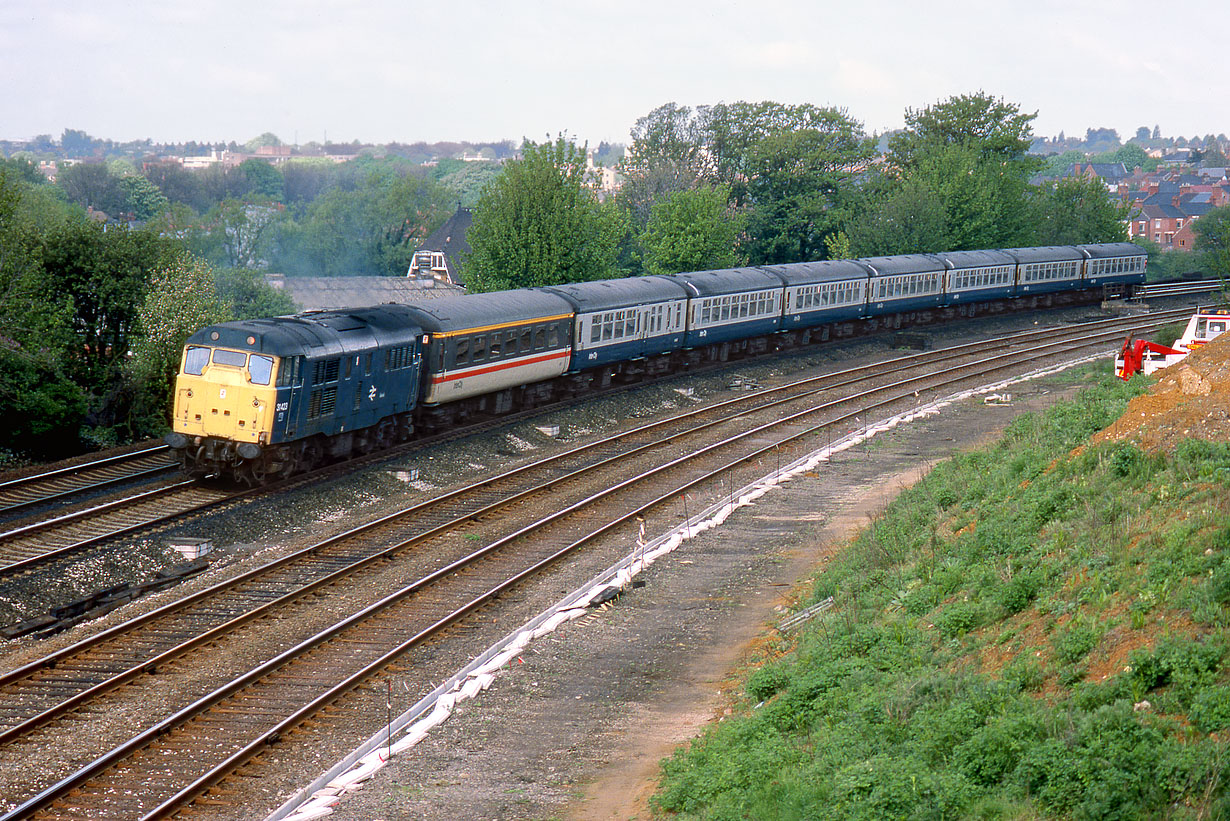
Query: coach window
(480, 348)
(195, 360)
(493, 351)
(510, 343)
(527, 340)
(463, 351)
(540, 338)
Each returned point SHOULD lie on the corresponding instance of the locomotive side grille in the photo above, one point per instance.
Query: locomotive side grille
(322, 402)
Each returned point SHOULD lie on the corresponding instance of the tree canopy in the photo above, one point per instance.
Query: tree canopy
(539, 224)
(693, 230)
(991, 127)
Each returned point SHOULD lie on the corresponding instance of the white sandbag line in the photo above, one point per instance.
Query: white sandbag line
(318, 799)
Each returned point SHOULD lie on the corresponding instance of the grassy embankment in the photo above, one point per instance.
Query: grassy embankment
(1038, 629)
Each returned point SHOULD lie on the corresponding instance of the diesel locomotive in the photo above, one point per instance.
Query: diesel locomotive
(262, 399)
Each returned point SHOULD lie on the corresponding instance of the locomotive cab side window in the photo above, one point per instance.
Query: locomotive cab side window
(195, 360)
(260, 369)
(289, 370)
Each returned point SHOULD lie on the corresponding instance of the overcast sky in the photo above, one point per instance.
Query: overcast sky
(409, 70)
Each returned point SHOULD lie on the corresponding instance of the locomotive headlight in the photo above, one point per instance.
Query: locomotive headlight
(190, 393)
(256, 403)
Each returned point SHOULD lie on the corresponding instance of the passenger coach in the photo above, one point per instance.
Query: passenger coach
(822, 292)
(488, 343)
(619, 320)
(905, 283)
(978, 276)
(731, 304)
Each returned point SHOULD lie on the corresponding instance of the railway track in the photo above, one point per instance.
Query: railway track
(63, 485)
(326, 663)
(29, 542)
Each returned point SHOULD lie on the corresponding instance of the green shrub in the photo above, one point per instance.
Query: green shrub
(1018, 592)
(958, 618)
(766, 681)
(1210, 709)
(1074, 643)
(995, 750)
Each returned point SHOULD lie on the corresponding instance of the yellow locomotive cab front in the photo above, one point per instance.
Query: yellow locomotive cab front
(224, 393)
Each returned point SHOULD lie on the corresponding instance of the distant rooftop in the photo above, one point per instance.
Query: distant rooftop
(332, 293)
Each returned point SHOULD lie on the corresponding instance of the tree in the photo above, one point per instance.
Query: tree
(91, 185)
(237, 233)
(691, 231)
(369, 229)
(1132, 156)
(992, 128)
(985, 198)
(262, 141)
(142, 198)
(303, 180)
(537, 224)
(178, 185)
(21, 169)
(264, 181)
(1142, 133)
(801, 187)
(1213, 238)
(78, 144)
(245, 294)
(42, 406)
(1078, 210)
(103, 275)
(910, 219)
(1099, 140)
(668, 154)
(179, 300)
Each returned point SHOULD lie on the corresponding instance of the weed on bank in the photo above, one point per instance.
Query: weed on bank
(1038, 629)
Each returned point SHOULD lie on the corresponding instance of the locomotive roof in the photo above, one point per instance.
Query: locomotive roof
(727, 281)
(1049, 253)
(1107, 250)
(607, 294)
(828, 270)
(461, 313)
(903, 264)
(975, 259)
(317, 333)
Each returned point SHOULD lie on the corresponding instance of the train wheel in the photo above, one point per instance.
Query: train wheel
(313, 455)
(253, 473)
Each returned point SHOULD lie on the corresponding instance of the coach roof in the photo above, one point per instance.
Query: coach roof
(975, 259)
(727, 281)
(904, 264)
(828, 270)
(609, 294)
(461, 313)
